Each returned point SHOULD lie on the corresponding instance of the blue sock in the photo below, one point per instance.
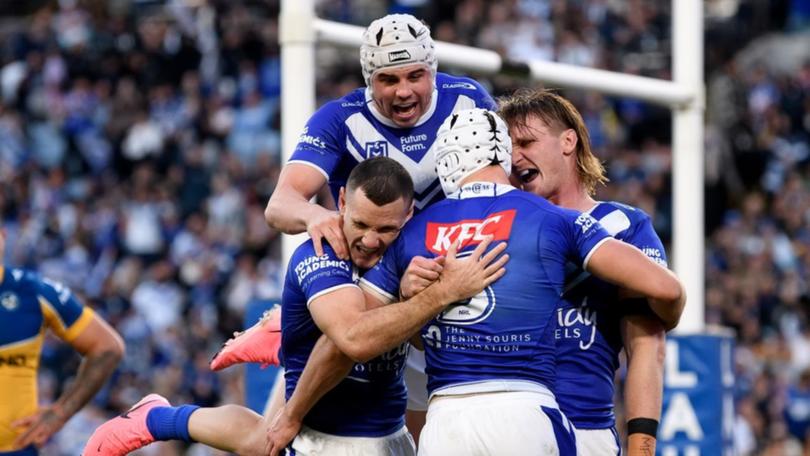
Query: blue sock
(170, 423)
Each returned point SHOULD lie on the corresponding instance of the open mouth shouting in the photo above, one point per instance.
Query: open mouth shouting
(527, 175)
(404, 110)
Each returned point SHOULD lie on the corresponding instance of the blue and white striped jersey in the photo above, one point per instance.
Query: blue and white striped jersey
(349, 130)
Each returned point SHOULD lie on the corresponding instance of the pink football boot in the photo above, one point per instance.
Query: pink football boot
(258, 344)
(126, 432)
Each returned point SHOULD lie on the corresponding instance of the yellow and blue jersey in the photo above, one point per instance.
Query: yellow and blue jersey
(29, 305)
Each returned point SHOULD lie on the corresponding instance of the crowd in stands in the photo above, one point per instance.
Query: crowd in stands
(140, 142)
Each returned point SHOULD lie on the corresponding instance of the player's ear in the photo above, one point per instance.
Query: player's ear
(342, 200)
(410, 213)
(568, 139)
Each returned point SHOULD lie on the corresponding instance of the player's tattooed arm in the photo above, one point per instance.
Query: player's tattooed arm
(641, 445)
(645, 344)
(641, 438)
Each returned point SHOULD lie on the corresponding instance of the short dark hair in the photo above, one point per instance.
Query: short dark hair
(382, 179)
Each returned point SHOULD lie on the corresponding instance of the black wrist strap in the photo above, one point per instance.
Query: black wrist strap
(647, 426)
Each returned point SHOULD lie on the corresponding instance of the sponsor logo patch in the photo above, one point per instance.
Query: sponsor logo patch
(376, 149)
(585, 222)
(12, 360)
(9, 301)
(459, 85)
(577, 323)
(470, 311)
(440, 236)
(306, 138)
(322, 264)
(399, 56)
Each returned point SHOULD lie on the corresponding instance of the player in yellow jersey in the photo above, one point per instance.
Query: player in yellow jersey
(29, 306)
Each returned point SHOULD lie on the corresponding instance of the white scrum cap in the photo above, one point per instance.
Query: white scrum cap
(468, 141)
(396, 40)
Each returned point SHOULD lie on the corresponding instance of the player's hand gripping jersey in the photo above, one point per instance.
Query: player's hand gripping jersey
(587, 325)
(349, 130)
(506, 333)
(29, 306)
(370, 402)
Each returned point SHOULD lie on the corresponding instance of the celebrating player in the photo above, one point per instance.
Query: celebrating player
(396, 115)
(491, 360)
(552, 158)
(365, 411)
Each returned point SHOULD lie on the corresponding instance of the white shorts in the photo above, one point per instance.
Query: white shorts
(501, 423)
(416, 380)
(310, 442)
(598, 442)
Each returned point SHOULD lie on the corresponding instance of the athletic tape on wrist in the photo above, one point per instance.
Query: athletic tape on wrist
(647, 426)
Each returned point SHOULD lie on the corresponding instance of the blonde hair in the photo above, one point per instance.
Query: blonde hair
(558, 113)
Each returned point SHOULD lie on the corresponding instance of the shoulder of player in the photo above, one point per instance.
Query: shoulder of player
(621, 216)
(306, 253)
(415, 225)
(533, 203)
(536, 211)
(458, 84)
(632, 212)
(346, 105)
(21, 279)
(25, 284)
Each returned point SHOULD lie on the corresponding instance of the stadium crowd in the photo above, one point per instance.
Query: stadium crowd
(139, 144)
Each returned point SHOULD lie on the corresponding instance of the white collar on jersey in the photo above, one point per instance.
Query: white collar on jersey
(480, 189)
(372, 106)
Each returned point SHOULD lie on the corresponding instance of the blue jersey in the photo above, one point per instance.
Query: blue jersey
(507, 331)
(371, 401)
(29, 306)
(346, 131)
(588, 334)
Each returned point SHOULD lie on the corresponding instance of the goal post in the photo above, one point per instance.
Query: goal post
(684, 95)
